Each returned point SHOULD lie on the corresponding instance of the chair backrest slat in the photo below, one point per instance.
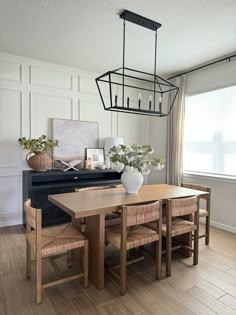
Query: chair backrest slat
(31, 214)
(183, 206)
(198, 187)
(140, 214)
(33, 220)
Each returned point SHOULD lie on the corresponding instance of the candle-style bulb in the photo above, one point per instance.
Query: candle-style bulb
(139, 96)
(150, 102)
(160, 104)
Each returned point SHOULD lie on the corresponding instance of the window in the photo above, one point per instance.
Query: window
(210, 132)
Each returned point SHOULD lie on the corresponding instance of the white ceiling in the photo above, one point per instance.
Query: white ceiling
(88, 33)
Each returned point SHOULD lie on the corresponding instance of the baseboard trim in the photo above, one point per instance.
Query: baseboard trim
(8, 219)
(224, 227)
(10, 223)
(220, 226)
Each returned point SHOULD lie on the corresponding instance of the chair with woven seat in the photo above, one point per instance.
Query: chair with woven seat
(131, 234)
(51, 241)
(203, 213)
(110, 219)
(176, 226)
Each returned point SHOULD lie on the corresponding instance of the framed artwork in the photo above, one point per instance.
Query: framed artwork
(74, 137)
(96, 156)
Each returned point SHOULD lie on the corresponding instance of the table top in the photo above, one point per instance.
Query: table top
(88, 203)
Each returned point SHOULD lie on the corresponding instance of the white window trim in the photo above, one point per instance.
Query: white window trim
(212, 177)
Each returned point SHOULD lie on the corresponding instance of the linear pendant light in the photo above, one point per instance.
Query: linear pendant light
(133, 91)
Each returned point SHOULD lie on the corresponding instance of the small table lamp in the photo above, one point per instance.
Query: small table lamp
(112, 141)
(109, 143)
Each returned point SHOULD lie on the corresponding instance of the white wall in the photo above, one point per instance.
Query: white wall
(31, 93)
(157, 138)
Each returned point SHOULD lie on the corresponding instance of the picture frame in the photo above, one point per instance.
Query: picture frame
(96, 156)
(74, 137)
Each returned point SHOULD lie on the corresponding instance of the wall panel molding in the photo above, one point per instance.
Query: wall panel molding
(10, 70)
(46, 91)
(47, 107)
(51, 78)
(11, 116)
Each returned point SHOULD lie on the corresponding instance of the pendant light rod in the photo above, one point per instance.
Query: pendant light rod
(123, 79)
(155, 70)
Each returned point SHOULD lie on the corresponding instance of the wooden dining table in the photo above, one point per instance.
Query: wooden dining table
(95, 204)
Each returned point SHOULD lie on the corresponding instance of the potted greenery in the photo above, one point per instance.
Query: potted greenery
(40, 161)
(135, 161)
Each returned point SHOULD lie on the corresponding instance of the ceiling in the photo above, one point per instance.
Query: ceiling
(88, 33)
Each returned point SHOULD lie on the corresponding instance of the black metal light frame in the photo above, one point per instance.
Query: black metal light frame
(160, 85)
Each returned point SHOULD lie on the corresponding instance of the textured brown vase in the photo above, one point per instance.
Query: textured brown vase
(40, 161)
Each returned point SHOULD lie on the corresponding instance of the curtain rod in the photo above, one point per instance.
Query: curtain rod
(203, 66)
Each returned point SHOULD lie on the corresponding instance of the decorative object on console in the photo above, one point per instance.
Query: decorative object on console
(135, 161)
(109, 143)
(95, 156)
(71, 165)
(40, 161)
(86, 164)
(155, 89)
(74, 136)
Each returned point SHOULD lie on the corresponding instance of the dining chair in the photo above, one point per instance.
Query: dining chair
(110, 219)
(203, 213)
(48, 242)
(176, 226)
(131, 233)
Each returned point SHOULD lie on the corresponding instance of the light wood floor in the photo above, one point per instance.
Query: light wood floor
(209, 288)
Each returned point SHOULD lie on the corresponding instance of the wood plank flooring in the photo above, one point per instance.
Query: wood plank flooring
(209, 288)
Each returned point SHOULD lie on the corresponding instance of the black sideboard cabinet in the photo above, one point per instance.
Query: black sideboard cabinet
(38, 185)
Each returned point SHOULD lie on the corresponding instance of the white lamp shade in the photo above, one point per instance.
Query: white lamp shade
(112, 141)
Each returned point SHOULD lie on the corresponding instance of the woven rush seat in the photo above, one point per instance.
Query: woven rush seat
(178, 227)
(203, 213)
(57, 239)
(136, 236)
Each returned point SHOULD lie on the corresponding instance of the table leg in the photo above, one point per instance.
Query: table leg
(95, 229)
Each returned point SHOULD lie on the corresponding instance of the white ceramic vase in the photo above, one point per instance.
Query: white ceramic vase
(132, 180)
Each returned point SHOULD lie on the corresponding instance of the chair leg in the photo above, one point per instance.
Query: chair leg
(158, 259)
(28, 259)
(85, 263)
(39, 278)
(168, 256)
(69, 258)
(123, 270)
(196, 245)
(207, 231)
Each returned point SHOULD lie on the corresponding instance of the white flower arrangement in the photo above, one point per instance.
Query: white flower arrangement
(134, 158)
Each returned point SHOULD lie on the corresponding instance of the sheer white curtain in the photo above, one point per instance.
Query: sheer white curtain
(175, 134)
